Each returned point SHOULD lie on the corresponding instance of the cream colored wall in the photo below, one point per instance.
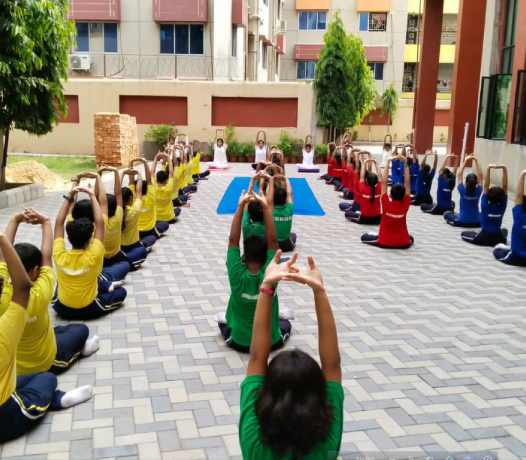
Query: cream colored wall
(102, 95)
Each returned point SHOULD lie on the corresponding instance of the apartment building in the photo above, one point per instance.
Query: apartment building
(389, 30)
(176, 39)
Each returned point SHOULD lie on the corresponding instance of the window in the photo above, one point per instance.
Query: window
(97, 36)
(373, 22)
(264, 55)
(110, 37)
(181, 38)
(234, 41)
(508, 48)
(378, 70)
(519, 114)
(306, 70)
(313, 20)
(82, 37)
(493, 107)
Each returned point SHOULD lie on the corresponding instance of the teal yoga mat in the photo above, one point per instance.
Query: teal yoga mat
(305, 202)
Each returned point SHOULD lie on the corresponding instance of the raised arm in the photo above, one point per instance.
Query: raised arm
(46, 246)
(269, 195)
(487, 178)
(327, 333)
(235, 227)
(460, 175)
(117, 184)
(270, 230)
(446, 161)
(478, 170)
(385, 178)
(289, 190)
(63, 213)
(147, 172)
(18, 274)
(504, 177)
(519, 196)
(261, 342)
(12, 226)
(407, 179)
(435, 160)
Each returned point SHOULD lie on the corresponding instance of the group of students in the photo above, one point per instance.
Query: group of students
(110, 234)
(406, 180)
(291, 407)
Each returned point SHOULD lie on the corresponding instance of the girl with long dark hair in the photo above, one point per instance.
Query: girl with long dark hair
(369, 190)
(292, 407)
(445, 186)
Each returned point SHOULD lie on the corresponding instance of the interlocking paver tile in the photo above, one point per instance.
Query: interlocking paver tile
(432, 342)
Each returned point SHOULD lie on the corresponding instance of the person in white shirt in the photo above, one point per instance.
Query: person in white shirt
(220, 159)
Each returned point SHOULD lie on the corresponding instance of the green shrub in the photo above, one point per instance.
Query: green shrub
(289, 145)
(160, 134)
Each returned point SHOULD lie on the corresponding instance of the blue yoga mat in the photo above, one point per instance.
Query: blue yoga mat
(305, 203)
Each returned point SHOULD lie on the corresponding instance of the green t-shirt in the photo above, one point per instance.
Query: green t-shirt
(252, 228)
(282, 216)
(249, 430)
(244, 292)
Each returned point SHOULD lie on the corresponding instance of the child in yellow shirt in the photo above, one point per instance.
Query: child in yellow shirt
(135, 248)
(85, 290)
(24, 401)
(147, 223)
(43, 347)
(163, 185)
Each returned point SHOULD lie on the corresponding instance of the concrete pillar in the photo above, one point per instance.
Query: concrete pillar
(519, 61)
(426, 87)
(466, 74)
(222, 39)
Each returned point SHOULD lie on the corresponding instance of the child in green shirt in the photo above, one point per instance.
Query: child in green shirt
(291, 408)
(245, 275)
(282, 213)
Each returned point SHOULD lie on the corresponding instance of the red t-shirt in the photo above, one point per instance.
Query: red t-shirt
(369, 208)
(331, 165)
(348, 177)
(393, 227)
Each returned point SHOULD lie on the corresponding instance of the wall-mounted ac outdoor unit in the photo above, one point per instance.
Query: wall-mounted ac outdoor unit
(80, 62)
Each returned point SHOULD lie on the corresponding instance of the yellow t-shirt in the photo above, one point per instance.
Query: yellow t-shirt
(130, 234)
(163, 201)
(77, 272)
(148, 216)
(37, 348)
(178, 181)
(112, 233)
(12, 325)
(197, 167)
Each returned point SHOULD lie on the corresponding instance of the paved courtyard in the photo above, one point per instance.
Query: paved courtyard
(432, 343)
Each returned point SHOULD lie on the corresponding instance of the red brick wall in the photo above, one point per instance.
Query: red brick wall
(155, 110)
(250, 112)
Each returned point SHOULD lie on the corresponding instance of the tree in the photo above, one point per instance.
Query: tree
(36, 40)
(389, 105)
(343, 82)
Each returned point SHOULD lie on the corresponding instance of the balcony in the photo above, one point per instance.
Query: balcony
(158, 67)
(448, 37)
(447, 53)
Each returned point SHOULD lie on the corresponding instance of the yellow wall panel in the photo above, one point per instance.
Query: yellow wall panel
(313, 5)
(416, 6)
(375, 6)
(447, 54)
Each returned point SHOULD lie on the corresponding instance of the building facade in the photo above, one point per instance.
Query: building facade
(501, 121)
(176, 39)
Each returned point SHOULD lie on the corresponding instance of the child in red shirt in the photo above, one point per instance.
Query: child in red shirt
(393, 226)
(367, 193)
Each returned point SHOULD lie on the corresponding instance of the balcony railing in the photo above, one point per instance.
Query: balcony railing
(160, 67)
(443, 86)
(448, 37)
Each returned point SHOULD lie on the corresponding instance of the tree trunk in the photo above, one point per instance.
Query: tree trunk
(3, 160)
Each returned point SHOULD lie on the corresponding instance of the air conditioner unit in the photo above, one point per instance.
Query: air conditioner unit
(80, 62)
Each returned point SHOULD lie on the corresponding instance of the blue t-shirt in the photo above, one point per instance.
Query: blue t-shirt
(469, 205)
(491, 214)
(424, 182)
(444, 193)
(397, 172)
(414, 171)
(518, 231)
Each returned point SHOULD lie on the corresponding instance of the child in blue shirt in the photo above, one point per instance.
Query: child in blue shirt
(516, 254)
(445, 185)
(424, 181)
(470, 192)
(492, 208)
